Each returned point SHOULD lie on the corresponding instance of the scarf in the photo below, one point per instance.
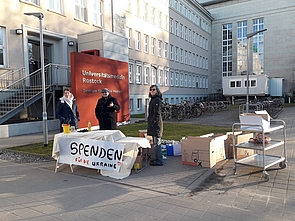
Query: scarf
(69, 100)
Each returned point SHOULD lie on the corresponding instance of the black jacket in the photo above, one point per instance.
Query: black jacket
(66, 115)
(155, 122)
(107, 116)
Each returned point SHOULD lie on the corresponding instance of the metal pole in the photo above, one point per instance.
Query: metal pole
(248, 70)
(44, 114)
(45, 126)
(249, 36)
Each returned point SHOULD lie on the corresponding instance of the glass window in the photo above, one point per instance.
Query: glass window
(131, 77)
(81, 10)
(171, 25)
(171, 52)
(139, 104)
(146, 43)
(154, 74)
(145, 13)
(165, 50)
(226, 50)
(176, 28)
(153, 45)
(153, 15)
(146, 74)
(171, 78)
(2, 47)
(57, 6)
(131, 105)
(137, 40)
(35, 2)
(128, 36)
(166, 77)
(176, 53)
(138, 74)
(97, 13)
(160, 48)
(160, 77)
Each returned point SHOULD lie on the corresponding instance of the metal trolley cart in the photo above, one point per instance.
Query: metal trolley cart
(260, 158)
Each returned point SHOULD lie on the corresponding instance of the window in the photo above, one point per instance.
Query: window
(242, 47)
(194, 81)
(252, 83)
(185, 80)
(185, 56)
(172, 100)
(165, 50)
(160, 77)
(171, 52)
(131, 105)
(138, 74)
(146, 44)
(197, 61)
(171, 25)
(81, 10)
(176, 28)
(176, 53)
(193, 38)
(189, 35)
(185, 33)
(153, 45)
(154, 75)
(139, 104)
(128, 36)
(181, 79)
(166, 77)
(226, 50)
(189, 58)
(145, 12)
(160, 19)
(181, 30)
(258, 46)
(97, 13)
(35, 2)
(57, 6)
(131, 77)
(2, 47)
(176, 79)
(171, 78)
(153, 15)
(181, 55)
(166, 22)
(160, 48)
(137, 40)
(197, 39)
(193, 60)
(146, 74)
(137, 7)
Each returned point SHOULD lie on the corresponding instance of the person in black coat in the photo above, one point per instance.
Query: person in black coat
(106, 111)
(67, 110)
(155, 123)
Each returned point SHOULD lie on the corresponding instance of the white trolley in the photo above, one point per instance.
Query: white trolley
(260, 159)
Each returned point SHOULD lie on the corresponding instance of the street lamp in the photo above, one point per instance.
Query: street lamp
(249, 36)
(45, 126)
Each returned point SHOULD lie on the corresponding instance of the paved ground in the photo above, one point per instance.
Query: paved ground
(172, 192)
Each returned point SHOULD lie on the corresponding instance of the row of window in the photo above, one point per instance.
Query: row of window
(160, 49)
(238, 83)
(147, 75)
(81, 9)
(257, 46)
(187, 34)
(148, 13)
(190, 14)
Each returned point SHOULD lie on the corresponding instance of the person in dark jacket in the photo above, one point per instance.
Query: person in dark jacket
(155, 123)
(67, 110)
(106, 111)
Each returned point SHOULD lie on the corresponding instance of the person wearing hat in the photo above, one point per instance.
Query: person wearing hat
(106, 111)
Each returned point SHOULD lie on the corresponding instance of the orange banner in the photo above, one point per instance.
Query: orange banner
(89, 75)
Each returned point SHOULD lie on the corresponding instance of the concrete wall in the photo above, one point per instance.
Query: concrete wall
(11, 130)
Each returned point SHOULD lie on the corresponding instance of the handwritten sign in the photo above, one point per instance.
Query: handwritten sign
(96, 154)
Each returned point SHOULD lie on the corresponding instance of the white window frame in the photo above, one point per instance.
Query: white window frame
(153, 15)
(98, 13)
(137, 40)
(171, 25)
(3, 46)
(34, 2)
(171, 52)
(176, 79)
(57, 6)
(165, 50)
(128, 36)
(131, 105)
(181, 55)
(131, 73)
(153, 46)
(176, 53)
(160, 49)
(160, 19)
(146, 11)
(176, 28)
(172, 78)
(160, 77)
(154, 75)
(146, 73)
(139, 104)
(81, 10)
(138, 74)
(181, 31)
(166, 77)
(146, 44)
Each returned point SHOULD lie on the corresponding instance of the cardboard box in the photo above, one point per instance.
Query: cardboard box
(139, 160)
(143, 133)
(239, 138)
(203, 151)
(173, 149)
(261, 118)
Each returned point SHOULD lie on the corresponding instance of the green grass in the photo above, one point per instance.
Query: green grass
(172, 131)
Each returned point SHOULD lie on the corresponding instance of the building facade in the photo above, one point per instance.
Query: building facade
(169, 42)
(272, 51)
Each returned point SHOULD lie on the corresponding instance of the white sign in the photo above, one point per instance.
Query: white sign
(96, 154)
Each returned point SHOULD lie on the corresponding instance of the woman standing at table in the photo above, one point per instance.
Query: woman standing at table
(67, 110)
(155, 123)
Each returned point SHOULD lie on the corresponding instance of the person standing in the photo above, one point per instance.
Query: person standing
(155, 123)
(106, 111)
(67, 110)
